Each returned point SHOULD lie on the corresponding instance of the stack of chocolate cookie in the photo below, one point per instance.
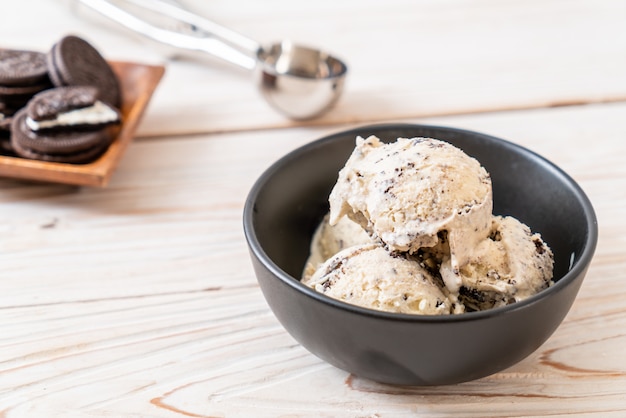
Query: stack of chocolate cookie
(22, 75)
(62, 106)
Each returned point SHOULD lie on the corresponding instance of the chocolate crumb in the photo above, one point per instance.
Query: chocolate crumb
(539, 245)
(495, 235)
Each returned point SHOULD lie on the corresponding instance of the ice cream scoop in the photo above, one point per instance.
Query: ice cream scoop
(412, 193)
(298, 81)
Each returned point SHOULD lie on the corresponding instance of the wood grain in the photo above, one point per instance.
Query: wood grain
(138, 300)
(409, 59)
(418, 58)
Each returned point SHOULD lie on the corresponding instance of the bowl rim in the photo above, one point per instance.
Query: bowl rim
(575, 269)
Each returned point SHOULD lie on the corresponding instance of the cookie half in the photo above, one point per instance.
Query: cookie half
(73, 108)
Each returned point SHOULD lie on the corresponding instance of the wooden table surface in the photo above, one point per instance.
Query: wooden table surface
(139, 300)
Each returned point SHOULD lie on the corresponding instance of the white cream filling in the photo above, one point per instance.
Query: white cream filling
(96, 114)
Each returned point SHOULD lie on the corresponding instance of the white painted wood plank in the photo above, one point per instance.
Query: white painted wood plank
(407, 58)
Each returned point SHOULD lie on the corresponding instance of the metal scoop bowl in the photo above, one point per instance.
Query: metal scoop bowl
(298, 81)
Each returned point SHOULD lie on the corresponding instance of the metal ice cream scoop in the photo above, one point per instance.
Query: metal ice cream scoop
(298, 81)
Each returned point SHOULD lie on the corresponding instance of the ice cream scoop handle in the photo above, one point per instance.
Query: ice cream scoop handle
(205, 35)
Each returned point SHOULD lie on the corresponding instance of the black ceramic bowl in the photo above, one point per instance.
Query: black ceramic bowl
(290, 198)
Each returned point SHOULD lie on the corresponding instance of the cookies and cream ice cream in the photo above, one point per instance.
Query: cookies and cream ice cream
(368, 275)
(512, 264)
(329, 239)
(404, 193)
(411, 229)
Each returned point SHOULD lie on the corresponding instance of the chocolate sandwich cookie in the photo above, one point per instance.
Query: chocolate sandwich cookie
(22, 68)
(22, 75)
(65, 124)
(18, 96)
(53, 141)
(73, 61)
(78, 157)
(5, 134)
(6, 110)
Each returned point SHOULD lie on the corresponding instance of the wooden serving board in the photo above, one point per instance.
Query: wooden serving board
(138, 83)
